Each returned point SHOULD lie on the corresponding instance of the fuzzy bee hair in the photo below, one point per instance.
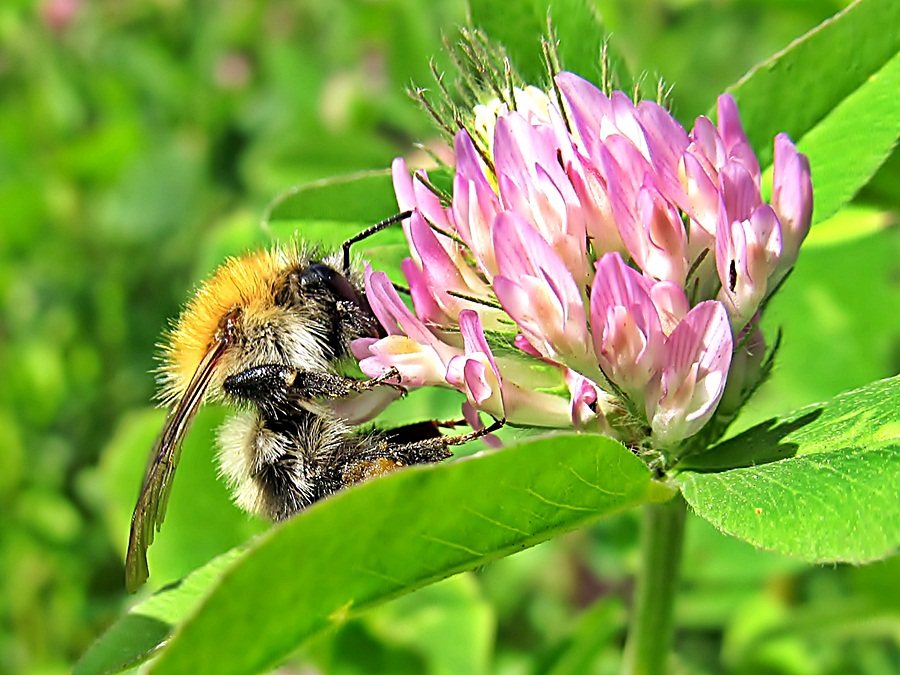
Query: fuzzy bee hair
(276, 467)
(287, 306)
(267, 333)
(279, 456)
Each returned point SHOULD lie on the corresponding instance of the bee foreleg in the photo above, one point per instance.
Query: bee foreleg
(312, 384)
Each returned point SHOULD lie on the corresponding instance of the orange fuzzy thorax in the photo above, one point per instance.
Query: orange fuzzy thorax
(246, 282)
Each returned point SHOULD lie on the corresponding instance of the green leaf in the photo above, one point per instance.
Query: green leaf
(799, 87)
(848, 146)
(392, 535)
(366, 197)
(331, 211)
(820, 484)
(834, 92)
(136, 636)
(576, 23)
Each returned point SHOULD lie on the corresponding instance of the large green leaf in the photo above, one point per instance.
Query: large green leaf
(848, 146)
(390, 536)
(365, 197)
(520, 27)
(833, 91)
(136, 636)
(801, 85)
(820, 484)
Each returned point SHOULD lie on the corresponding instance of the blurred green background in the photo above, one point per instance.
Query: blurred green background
(141, 142)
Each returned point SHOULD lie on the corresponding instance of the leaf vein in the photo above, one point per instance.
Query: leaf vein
(381, 575)
(556, 504)
(454, 545)
(611, 493)
(492, 521)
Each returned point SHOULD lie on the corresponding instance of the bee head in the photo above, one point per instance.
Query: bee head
(266, 308)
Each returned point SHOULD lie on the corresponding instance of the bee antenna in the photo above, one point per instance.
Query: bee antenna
(368, 232)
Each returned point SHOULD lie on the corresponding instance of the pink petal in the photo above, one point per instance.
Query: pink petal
(473, 337)
(442, 267)
(537, 290)
(476, 382)
(590, 189)
(475, 205)
(617, 284)
(437, 265)
(663, 250)
(475, 373)
(626, 332)
(702, 193)
(520, 146)
(429, 204)
(392, 313)
(623, 169)
(667, 142)
(792, 198)
(522, 308)
(739, 190)
(427, 308)
(589, 109)
(747, 252)
(707, 146)
(735, 140)
(468, 162)
(585, 396)
(624, 116)
(671, 303)
(691, 384)
(419, 365)
(521, 251)
(532, 182)
(403, 185)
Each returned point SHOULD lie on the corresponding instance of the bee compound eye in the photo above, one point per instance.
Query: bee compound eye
(320, 274)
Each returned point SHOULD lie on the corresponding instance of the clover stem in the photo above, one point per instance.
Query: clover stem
(650, 631)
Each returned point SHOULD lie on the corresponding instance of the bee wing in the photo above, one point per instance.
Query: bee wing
(150, 509)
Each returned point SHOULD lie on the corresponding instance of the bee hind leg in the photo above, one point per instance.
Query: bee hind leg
(435, 448)
(388, 454)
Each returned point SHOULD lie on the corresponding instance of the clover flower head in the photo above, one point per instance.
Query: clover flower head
(596, 266)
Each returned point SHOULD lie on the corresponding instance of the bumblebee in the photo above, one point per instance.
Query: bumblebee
(279, 457)
(268, 333)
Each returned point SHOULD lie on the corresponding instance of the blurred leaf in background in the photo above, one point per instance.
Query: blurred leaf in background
(140, 144)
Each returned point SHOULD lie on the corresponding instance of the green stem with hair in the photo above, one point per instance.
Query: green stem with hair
(651, 627)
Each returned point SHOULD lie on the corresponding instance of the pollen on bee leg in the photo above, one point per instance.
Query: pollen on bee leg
(359, 472)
